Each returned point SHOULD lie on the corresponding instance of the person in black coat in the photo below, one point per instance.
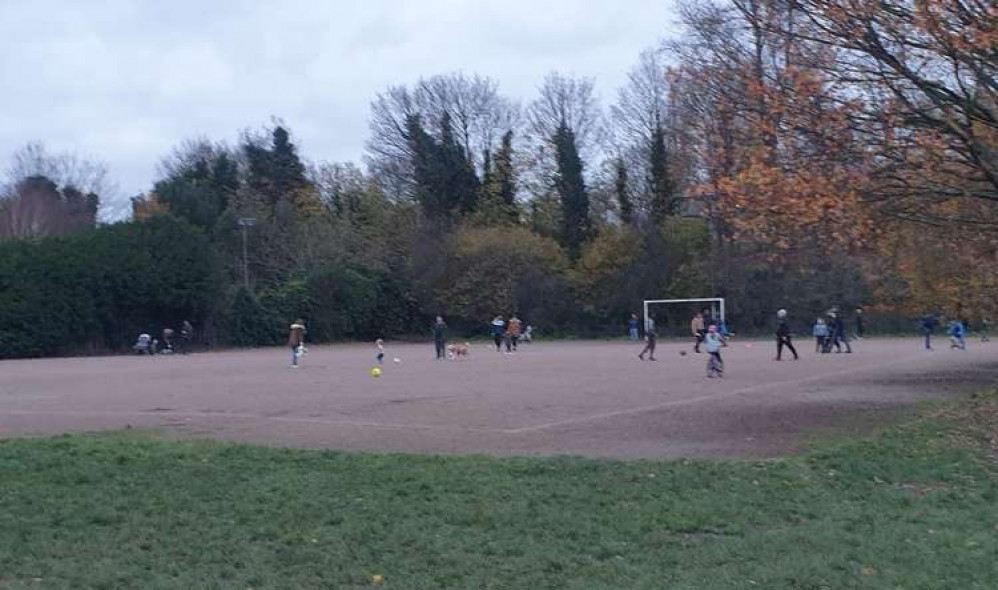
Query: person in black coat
(783, 337)
(929, 325)
(439, 330)
(839, 332)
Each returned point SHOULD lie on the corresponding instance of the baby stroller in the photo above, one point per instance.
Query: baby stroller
(144, 345)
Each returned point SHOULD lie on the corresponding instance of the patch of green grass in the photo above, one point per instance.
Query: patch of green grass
(915, 506)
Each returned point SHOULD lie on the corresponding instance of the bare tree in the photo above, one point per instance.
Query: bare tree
(37, 208)
(640, 117)
(47, 194)
(571, 101)
(66, 169)
(189, 154)
(641, 106)
(479, 115)
(340, 185)
(924, 76)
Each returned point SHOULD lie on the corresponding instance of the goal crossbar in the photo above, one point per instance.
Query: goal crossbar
(718, 300)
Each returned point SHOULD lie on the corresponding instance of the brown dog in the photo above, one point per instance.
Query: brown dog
(456, 351)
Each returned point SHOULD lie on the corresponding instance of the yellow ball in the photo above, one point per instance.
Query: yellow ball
(375, 372)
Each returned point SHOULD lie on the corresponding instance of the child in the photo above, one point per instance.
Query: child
(379, 347)
(956, 333)
(712, 343)
(296, 340)
(820, 333)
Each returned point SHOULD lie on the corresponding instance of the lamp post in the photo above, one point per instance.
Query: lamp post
(245, 223)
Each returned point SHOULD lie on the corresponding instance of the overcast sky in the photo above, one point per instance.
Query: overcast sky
(123, 81)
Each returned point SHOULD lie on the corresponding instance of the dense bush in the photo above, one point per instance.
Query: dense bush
(100, 288)
(502, 270)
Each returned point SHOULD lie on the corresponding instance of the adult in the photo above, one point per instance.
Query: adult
(186, 336)
(513, 328)
(860, 324)
(783, 336)
(722, 328)
(632, 327)
(929, 324)
(986, 330)
(651, 339)
(697, 330)
(839, 333)
(496, 329)
(167, 344)
(440, 338)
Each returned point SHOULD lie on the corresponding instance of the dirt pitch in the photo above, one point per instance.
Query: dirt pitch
(584, 398)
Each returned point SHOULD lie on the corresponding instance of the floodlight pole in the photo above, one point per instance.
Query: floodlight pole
(245, 223)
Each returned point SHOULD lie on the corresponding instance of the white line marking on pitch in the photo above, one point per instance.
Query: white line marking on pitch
(702, 398)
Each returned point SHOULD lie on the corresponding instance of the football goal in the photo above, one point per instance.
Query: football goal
(691, 306)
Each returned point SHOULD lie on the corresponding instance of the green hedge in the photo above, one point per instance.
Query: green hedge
(99, 289)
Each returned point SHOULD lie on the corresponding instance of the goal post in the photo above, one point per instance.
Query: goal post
(713, 301)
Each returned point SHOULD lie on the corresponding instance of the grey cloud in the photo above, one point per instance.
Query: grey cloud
(124, 81)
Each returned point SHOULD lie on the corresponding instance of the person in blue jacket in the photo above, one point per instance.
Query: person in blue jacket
(632, 328)
(957, 331)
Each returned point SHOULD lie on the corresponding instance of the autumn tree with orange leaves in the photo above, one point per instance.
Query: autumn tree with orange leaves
(778, 161)
(864, 129)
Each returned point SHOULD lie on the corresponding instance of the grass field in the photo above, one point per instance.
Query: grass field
(915, 506)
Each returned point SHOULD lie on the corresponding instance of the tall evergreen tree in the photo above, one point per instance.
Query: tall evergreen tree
(446, 185)
(497, 205)
(225, 176)
(622, 191)
(192, 193)
(459, 181)
(287, 169)
(663, 200)
(571, 188)
(426, 173)
(276, 173)
(504, 174)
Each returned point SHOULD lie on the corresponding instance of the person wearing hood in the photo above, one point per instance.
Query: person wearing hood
(783, 336)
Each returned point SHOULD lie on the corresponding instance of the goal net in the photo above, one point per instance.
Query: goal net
(672, 316)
